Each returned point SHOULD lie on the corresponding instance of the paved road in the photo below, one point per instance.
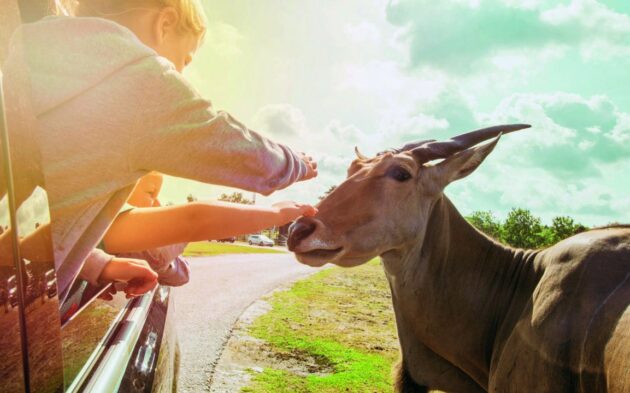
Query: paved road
(220, 289)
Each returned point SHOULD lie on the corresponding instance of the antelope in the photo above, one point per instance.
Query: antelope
(472, 314)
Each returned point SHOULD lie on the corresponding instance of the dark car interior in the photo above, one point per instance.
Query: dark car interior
(80, 342)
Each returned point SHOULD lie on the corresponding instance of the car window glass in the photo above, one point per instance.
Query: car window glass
(87, 319)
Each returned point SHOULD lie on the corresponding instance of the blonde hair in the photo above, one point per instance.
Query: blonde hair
(192, 18)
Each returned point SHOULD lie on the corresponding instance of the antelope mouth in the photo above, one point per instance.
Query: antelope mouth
(319, 256)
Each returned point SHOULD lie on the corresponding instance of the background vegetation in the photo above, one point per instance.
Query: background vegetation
(202, 249)
(524, 230)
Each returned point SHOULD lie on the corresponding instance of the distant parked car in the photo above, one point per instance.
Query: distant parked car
(259, 240)
(8, 293)
(281, 240)
(50, 284)
(13, 295)
(230, 239)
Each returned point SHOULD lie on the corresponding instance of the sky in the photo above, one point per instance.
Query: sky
(325, 76)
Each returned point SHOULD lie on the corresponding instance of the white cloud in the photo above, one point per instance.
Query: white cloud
(605, 32)
(463, 37)
(288, 124)
(621, 132)
(390, 94)
(569, 163)
(33, 211)
(344, 135)
(281, 121)
(409, 129)
(364, 32)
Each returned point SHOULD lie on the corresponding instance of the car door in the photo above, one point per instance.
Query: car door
(28, 275)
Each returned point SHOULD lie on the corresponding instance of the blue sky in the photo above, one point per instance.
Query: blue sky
(324, 76)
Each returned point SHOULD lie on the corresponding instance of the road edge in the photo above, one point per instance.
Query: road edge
(249, 314)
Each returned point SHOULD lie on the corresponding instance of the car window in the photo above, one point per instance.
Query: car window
(88, 313)
(86, 319)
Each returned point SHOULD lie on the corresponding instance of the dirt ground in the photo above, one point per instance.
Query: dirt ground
(244, 354)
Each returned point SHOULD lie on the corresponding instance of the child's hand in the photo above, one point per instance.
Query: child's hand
(108, 293)
(289, 211)
(311, 165)
(138, 275)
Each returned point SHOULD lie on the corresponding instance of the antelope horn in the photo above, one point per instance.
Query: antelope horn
(413, 145)
(360, 155)
(433, 150)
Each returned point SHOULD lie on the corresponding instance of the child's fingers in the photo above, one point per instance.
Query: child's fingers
(141, 285)
(308, 210)
(106, 296)
(108, 293)
(311, 165)
(310, 174)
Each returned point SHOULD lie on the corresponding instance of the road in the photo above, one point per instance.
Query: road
(220, 289)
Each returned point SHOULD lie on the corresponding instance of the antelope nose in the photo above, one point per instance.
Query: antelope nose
(300, 230)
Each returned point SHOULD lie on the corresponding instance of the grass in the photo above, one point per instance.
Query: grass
(343, 319)
(214, 248)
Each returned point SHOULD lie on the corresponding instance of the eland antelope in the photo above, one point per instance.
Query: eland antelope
(474, 315)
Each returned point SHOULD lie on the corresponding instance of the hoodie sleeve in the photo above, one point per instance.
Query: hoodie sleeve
(94, 265)
(179, 133)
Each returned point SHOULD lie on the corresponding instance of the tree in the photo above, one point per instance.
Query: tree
(235, 197)
(547, 237)
(522, 229)
(563, 227)
(486, 223)
(330, 189)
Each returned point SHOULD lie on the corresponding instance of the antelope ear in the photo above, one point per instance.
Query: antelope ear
(463, 163)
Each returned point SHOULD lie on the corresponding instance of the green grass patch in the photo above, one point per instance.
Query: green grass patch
(213, 248)
(343, 318)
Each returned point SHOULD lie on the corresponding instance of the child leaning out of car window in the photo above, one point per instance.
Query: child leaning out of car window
(158, 234)
(112, 106)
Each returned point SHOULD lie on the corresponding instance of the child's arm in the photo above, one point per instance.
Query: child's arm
(179, 133)
(146, 228)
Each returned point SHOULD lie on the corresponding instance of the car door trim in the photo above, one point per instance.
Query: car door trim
(106, 367)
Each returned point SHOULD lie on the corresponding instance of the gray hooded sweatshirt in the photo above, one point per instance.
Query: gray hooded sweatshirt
(109, 110)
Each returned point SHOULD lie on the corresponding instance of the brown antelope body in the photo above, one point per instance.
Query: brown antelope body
(472, 314)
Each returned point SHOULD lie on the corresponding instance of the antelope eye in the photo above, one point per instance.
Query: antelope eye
(398, 173)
